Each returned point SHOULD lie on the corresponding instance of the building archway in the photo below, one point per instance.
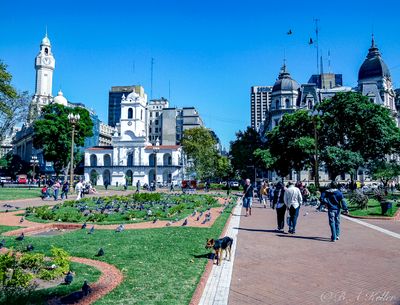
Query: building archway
(106, 177)
(152, 160)
(94, 176)
(167, 159)
(152, 176)
(93, 160)
(167, 176)
(107, 160)
(129, 177)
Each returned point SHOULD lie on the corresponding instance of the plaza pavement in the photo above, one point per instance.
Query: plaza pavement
(363, 267)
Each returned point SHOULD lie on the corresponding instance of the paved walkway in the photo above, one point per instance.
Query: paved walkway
(363, 267)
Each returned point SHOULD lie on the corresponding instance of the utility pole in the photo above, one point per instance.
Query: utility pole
(316, 20)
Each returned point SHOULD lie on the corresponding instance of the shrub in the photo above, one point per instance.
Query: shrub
(359, 199)
(68, 214)
(32, 261)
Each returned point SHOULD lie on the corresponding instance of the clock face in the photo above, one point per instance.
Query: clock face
(129, 123)
(46, 60)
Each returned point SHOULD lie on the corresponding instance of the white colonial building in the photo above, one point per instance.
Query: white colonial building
(132, 157)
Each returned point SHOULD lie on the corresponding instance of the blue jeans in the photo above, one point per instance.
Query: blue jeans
(247, 201)
(294, 214)
(334, 223)
(55, 194)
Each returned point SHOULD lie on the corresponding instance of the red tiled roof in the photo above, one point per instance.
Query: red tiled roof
(100, 148)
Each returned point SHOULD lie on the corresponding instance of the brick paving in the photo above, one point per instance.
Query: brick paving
(362, 268)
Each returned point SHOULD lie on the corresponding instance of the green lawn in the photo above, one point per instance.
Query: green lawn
(374, 209)
(82, 272)
(160, 266)
(18, 193)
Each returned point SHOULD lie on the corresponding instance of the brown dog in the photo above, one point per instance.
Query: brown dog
(219, 246)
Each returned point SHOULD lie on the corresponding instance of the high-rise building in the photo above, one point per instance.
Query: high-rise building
(114, 101)
(260, 99)
(155, 120)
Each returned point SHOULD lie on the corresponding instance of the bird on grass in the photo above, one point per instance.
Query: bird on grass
(185, 222)
(29, 247)
(119, 229)
(84, 225)
(21, 237)
(68, 278)
(91, 231)
(86, 288)
(2, 243)
(100, 253)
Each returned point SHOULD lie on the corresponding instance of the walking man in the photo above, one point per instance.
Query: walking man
(293, 201)
(279, 205)
(334, 200)
(247, 196)
(138, 186)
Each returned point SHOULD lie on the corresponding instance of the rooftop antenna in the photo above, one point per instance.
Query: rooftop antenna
(46, 30)
(329, 61)
(151, 79)
(316, 20)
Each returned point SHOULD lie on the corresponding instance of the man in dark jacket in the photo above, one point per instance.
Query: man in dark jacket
(334, 200)
(279, 204)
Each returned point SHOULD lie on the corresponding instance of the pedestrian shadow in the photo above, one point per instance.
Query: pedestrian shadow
(317, 238)
(255, 230)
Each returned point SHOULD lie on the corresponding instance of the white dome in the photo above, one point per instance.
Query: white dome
(60, 99)
(132, 96)
(46, 41)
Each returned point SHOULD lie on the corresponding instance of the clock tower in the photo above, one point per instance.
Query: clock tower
(44, 66)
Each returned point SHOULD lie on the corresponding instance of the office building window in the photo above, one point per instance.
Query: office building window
(156, 122)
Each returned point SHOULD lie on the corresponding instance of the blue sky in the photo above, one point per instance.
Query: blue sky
(210, 52)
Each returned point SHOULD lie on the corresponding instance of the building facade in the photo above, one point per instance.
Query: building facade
(132, 158)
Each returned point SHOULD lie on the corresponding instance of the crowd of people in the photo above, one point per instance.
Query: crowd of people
(287, 200)
(59, 190)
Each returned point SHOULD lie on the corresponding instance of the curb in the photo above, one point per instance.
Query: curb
(206, 274)
(396, 217)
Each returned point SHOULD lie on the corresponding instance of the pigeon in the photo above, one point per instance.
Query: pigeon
(305, 214)
(119, 229)
(198, 218)
(194, 213)
(185, 223)
(91, 230)
(100, 253)
(21, 237)
(68, 278)
(29, 247)
(86, 288)
(155, 220)
(2, 243)
(84, 225)
(22, 219)
(168, 224)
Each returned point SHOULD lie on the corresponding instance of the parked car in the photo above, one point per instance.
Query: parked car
(22, 179)
(235, 184)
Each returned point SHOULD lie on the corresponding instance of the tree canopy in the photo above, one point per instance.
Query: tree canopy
(13, 105)
(243, 159)
(351, 131)
(205, 162)
(52, 133)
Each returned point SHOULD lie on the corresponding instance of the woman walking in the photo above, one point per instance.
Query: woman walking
(279, 204)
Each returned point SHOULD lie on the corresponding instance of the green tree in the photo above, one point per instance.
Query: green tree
(384, 170)
(52, 133)
(292, 144)
(13, 105)
(338, 161)
(224, 170)
(200, 147)
(352, 122)
(242, 152)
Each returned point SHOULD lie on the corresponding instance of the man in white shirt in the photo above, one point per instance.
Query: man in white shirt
(79, 189)
(293, 201)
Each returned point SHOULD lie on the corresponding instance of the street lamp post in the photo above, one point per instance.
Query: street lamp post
(34, 163)
(156, 149)
(73, 119)
(314, 115)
